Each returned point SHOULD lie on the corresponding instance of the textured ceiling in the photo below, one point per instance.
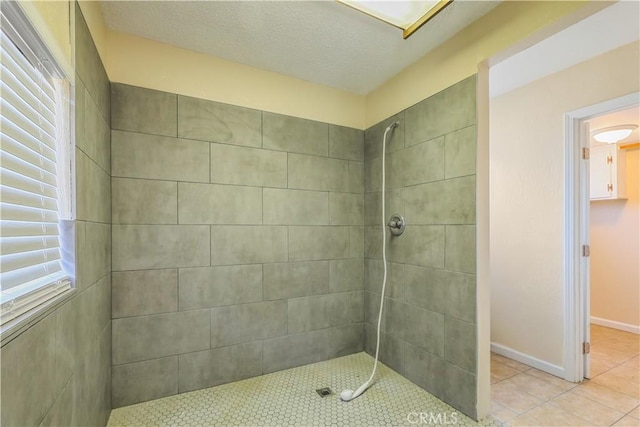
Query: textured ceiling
(318, 41)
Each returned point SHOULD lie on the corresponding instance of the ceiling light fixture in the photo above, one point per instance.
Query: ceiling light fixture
(613, 134)
(404, 14)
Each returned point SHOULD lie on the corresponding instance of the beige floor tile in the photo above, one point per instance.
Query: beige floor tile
(610, 355)
(535, 386)
(635, 413)
(588, 409)
(606, 396)
(599, 366)
(501, 372)
(627, 372)
(501, 412)
(513, 397)
(627, 421)
(509, 362)
(550, 415)
(634, 362)
(552, 379)
(524, 421)
(630, 388)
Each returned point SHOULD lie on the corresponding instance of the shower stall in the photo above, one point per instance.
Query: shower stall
(247, 242)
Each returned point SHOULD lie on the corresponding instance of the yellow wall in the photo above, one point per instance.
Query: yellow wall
(459, 57)
(51, 20)
(142, 62)
(137, 61)
(615, 251)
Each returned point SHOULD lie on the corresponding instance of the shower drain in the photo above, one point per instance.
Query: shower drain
(324, 392)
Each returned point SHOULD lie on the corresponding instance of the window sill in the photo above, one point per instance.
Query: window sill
(14, 328)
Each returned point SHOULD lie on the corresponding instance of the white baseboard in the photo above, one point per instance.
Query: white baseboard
(547, 367)
(616, 325)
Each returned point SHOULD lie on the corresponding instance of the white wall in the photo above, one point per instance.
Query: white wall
(526, 202)
(615, 251)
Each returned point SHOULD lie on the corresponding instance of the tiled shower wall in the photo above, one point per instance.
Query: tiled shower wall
(58, 371)
(238, 243)
(429, 331)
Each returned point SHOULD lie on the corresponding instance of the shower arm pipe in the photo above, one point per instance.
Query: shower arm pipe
(348, 395)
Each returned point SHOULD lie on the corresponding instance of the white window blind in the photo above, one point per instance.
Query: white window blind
(31, 269)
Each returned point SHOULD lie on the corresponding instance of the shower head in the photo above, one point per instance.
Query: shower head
(392, 126)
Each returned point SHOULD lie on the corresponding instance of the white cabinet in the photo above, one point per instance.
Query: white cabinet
(608, 171)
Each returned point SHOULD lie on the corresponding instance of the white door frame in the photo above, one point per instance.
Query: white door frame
(576, 232)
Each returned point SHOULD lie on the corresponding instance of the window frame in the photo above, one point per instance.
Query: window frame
(21, 30)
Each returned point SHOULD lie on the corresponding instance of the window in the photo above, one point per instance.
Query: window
(34, 168)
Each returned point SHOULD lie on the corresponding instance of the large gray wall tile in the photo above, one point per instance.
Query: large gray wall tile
(315, 243)
(416, 165)
(346, 275)
(89, 66)
(391, 348)
(447, 292)
(139, 247)
(460, 343)
(294, 350)
(346, 208)
(295, 207)
(355, 177)
(93, 187)
(136, 293)
(159, 335)
(394, 203)
(221, 365)
(356, 242)
(460, 152)
(219, 204)
(346, 143)
(141, 201)
(248, 244)
(142, 381)
(93, 254)
(143, 110)
(420, 245)
(28, 375)
(217, 122)
(449, 110)
(426, 370)
(95, 136)
(345, 340)
(136, 155)
(295, 279)
(248, 166)
(318, 173)
(218, 286)
(401, 320)
(295, 135)
(323, 311)
(461, 248)
(452, 201)
(373, 137)
(248, 322)
(374, 274)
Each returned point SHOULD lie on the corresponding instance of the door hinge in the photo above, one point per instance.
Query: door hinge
(610, 188)
(586, 348)
(586, 250)
(586, 153)
(609, 160)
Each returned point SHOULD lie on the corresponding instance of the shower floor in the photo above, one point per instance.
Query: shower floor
(289, 398)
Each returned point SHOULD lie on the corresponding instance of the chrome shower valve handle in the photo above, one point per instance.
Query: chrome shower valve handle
(396, 224)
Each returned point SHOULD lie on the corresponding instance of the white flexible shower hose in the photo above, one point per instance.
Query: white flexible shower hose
(348, 395)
